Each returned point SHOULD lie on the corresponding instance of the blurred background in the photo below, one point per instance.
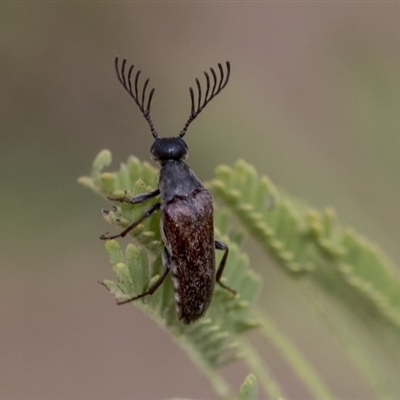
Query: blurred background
(313, 102)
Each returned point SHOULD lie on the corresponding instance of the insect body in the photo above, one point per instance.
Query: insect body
(186, 223)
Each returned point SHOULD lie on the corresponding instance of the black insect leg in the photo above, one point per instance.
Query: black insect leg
(156, 284)
(134, 224)
(140, 198)
(222, 246)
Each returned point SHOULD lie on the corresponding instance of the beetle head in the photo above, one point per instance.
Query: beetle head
(169, 148)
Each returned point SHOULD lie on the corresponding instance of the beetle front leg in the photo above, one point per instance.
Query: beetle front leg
(222, 246)
(134, 224)
(140, 198)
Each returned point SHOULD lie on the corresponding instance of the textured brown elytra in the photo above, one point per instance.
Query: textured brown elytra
(188, 228)
(186, 224)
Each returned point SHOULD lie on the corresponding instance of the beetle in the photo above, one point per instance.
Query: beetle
(186, 206)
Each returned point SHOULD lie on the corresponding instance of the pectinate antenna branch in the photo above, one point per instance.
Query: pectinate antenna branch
(219, 83)
(138, 96)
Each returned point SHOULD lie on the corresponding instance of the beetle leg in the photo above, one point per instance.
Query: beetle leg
(134, 224)
(140, 198)
(222, 246)
(150, 290)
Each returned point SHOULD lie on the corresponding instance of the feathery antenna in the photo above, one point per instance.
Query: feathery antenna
(140, 98)
(218, 84)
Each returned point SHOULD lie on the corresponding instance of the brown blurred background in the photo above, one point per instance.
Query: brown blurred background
(314, 102)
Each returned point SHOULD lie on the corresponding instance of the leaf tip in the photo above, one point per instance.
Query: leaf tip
(248, 390)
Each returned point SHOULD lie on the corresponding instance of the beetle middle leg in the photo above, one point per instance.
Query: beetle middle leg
(134, 224)
(222, 246)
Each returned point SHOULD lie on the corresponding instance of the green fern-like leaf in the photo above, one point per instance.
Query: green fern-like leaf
(341, 267)
(308, 241)
(212, 341)
(343, 264)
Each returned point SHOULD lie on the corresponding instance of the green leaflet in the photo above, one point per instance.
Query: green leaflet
(248, 390)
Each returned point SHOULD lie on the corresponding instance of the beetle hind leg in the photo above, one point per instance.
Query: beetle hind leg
(155, 285)
(222, 246)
